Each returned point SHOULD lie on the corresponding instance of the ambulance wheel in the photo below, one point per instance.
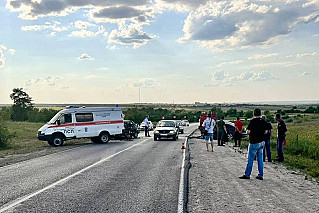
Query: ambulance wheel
(104, 137)
(95, 140)
(57, 140)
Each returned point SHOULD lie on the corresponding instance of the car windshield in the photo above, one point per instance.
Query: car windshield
(166, 124)
(53, 120)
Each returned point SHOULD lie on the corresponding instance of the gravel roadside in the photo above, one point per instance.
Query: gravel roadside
(214, 184)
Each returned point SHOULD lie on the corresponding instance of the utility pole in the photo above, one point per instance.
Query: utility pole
(139, 95)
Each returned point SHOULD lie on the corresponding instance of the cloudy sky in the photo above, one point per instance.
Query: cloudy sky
(182, 51)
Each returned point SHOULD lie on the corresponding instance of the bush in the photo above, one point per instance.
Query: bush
(5, 135)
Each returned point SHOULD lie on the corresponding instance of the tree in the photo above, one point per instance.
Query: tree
(22, 104)
(5, 135)
(249, 114)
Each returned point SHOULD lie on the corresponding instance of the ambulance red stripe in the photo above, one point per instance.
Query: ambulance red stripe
(88, 123)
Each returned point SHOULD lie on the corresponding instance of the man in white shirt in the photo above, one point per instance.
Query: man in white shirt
(209, 124)
(147, 134)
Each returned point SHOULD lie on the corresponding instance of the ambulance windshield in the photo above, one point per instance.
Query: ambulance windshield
(53, 120)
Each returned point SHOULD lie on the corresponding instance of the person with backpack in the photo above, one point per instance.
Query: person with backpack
(281, 136)
(209, 124)
(257, 128)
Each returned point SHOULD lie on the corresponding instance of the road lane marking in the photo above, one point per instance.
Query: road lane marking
(27, 197)
(180, 208)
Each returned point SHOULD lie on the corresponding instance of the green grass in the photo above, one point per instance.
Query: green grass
(25, 140)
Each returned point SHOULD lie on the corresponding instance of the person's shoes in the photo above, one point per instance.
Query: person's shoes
(244, 177)
(259, 178)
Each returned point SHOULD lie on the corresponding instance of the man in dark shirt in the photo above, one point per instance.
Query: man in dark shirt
(267, 141)
(221, 131)
(256, 130)
(281, 136)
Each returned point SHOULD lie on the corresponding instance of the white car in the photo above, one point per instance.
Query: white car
(185, 123)
(142, 126)
(166, 129)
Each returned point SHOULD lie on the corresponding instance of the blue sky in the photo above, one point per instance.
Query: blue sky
(178, 51)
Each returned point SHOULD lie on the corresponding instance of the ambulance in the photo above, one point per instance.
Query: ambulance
(98, 124)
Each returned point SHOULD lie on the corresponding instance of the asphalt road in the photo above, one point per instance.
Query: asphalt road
(142, 175)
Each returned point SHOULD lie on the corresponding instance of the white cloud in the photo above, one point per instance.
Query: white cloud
(42, 82)
(47, 27)
(145, 83)
(131, 35)
(305, 73)
(302, 55)
(228, 25)
(229, 63)
(262, 76)
(83, 25)
(85, 56)
(277, 64)
(4, 51)
(91, 77)
(87, 33)
(260, 56)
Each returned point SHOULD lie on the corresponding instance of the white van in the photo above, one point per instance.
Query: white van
(99, 124)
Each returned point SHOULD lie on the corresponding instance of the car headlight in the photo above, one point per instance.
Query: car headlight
(156, 132)
(172, 131)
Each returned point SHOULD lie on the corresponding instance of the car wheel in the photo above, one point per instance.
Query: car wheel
(174, 138)
(104, 137)
(182, 132)
(155, 138)
(57, 140)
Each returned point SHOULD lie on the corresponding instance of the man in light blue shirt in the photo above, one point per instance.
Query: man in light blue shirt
(146, 123)
(209, 124)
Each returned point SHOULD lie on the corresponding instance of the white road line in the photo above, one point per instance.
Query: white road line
(22, 199)
(180, 208)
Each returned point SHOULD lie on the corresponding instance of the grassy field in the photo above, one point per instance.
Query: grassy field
(302, 150)
(26, 141)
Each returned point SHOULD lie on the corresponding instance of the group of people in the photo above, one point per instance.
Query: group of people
(259, 131)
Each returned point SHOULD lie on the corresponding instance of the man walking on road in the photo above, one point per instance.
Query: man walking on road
(267, 141)
(209, 124)
(238, 132)
(221, 131)
(281, 136)
(147, 134)
(256, 130)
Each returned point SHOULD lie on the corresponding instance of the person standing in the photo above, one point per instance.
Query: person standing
(281, 136)
(146, 125)
(256, 130)
(267, 141)
(209, 124)
(221, 131)
(238, 132)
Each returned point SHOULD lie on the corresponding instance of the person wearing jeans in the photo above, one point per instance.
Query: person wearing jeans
(253, 150)
(209, 124)
(257, 128)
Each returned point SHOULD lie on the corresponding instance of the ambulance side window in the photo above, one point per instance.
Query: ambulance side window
(65, 119)
(84, 117)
